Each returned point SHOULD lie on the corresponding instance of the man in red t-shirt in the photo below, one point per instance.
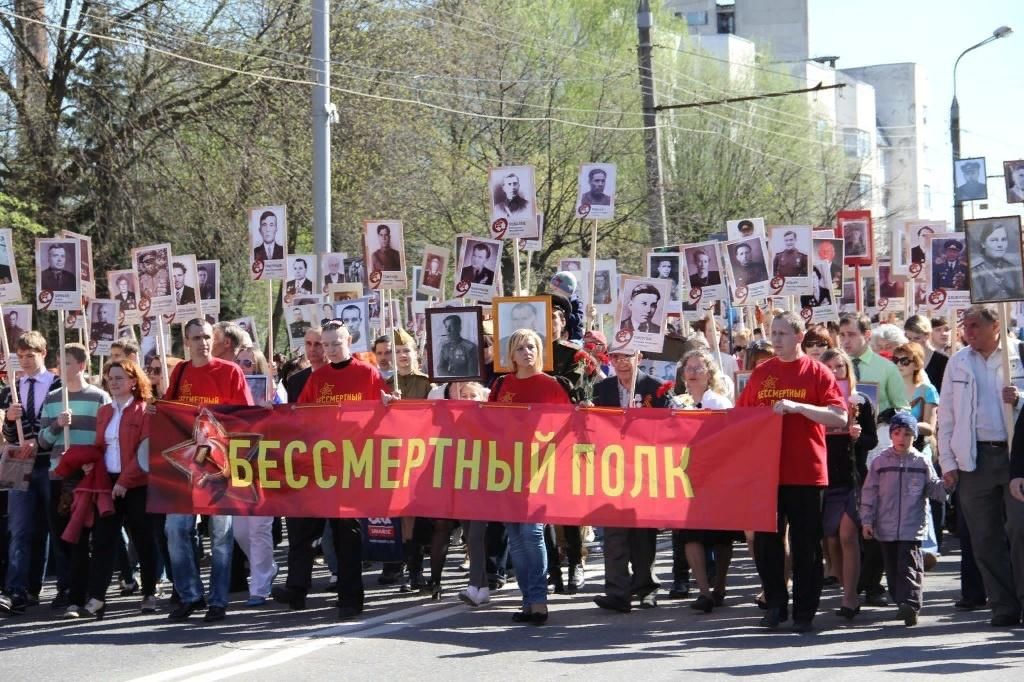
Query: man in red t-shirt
(804, 391)
(202, 381)
(343, 378)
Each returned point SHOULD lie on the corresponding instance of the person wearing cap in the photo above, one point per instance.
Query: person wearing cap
(951, 273)
(564, 285)
(971, 189)
(641, 309)
(893, 511)
(973, 430)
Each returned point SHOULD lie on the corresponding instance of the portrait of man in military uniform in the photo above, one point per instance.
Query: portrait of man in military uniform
(789, 261)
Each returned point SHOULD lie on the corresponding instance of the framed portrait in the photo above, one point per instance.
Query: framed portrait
(259, 386)
(344, 292)
(301, 280)
(914, 244)
(248, 325)
(948, 277)
(355, 315)
(742, 379)
(300, 319)
(745, 227)
(668, 267)
(185, 287)
(827, 280)
(595, 199)
(856, 231)
(268, 235)
(153, 268)
(384, 247)
(512, 313)
(454, 348)
(747, 264)
(103, 315)
(375, 305)
(17, 321)
(994, 259)
(640, 317)
(969, 180)
(1013, 175)
(10, 288)
(435, 265)
(332, 269)
(703, 279)
(899, 253)
(513, 200)
(58, 284)
(479, 268)
(208, 276)
(869, 389)
(662, 370)
(123, 288)
(85, 262)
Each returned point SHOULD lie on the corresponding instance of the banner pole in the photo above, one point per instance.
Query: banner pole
(65, 402)
(593, 272)
(529, 270)
(161, 349)
(632, 380)
(270, 320)
(515, 267)
(1004, 339)
(858, 293)
(711, 331)
(12, 374)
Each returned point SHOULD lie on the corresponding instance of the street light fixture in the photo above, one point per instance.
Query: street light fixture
(954, 121)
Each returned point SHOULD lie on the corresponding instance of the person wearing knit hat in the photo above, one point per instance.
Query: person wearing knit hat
(903, 420)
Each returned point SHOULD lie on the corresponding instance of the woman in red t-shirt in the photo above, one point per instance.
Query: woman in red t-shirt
(529, 384)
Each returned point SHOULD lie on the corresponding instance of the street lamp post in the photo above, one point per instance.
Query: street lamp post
(954, 122)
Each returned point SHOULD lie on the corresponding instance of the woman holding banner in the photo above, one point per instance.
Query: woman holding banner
(706, 385)
(528, 384)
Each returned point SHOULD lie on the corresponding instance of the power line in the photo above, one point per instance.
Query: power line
(749, 98)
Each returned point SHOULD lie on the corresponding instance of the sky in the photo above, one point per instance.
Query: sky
(932, 33)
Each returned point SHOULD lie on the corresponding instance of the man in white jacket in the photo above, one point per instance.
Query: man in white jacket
(973, 433)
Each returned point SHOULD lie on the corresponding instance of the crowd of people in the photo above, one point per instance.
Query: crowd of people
(868, 481)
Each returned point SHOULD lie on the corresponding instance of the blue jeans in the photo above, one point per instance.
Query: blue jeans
(184, 569)
(530, 558)
(27, 515)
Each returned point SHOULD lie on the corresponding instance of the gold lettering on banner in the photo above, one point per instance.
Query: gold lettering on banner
(677, 472)
(318, 465)
(470, 464)
(583, 468)
(439, 445)
(609, 488)
(387, 463)
(240, 467)
(542, 469)
(359, 465)
(265, 465)
(645, 454)
(290, 450)
(417, 450)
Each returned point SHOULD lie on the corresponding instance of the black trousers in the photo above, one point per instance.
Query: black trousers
(348, 547)
(680, 565)
(129, 511)
(972, 588)
(800, 507)
(872, 567)
(496, 540)
(904, 572)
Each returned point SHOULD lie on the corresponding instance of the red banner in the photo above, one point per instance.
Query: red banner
(645, 468)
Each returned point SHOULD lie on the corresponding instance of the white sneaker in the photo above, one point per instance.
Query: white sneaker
(469, 595)
(483, 596)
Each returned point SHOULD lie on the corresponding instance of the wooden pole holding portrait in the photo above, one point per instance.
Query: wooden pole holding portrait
(632, 381)
(12, 374)
(270, 320)
(515, 267)
(65, 401)
(591, 307)
(1004, 338)
(711, 331)
(161, 351)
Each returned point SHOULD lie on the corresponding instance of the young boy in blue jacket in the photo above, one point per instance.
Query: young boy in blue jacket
(893, 509)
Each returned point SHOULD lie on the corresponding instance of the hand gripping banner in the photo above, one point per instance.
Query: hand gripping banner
(645, 468)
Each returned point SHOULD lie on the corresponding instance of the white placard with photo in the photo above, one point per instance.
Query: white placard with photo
(185, 288)
(103, 314)
(153, 268)
(10, 288)
(747, 264)
(58, 279)
(916, 231)
(123, 288)
(595, 199)
(208, 274)
(435, 265)
(384, 247)
(301, 279)
(791, 260)
(298, 320)
(513, 203)
(355, 315)
(668, 267)
(745, 227)
(702, 279)
(268, 235)
(332, 269)
(640, 318)
(85, 262)
(479, 268)
(948, 278)
(17, 321)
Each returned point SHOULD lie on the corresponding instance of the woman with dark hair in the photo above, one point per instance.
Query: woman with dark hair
(994, 277)
(122, 433)
(816, 341)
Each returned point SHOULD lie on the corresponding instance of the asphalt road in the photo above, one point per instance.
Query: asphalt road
(408, 637)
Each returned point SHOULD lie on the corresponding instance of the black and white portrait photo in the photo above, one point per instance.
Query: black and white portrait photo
(58, 285)
(605, 289)
(208, 277)
(102, 324)
(748, 270)
(10, 289)
(185, 287)
(355, 315)
(384, 245)
(435, 263)
(994, 257)
(521, 312)
(791, 248)
(1013, 174)
(84, 260)
(596, 195)
(153, 268)
(301, 277)
(299, 319)
(268, 233)
(703, 270)
(513, 203)
(745, 227)
(123, 288)
(332, 270)
(259, 386)
(916, 232)
(17, 321)
(889, 285)
(355, 270)
(855, 229)
(949, 263)
(453, 343)
(640, 318)
(666, 266)
(969, 179)
(478, 268)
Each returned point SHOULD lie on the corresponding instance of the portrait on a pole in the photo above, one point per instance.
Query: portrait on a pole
(10, 288)
(268, 235)
(513, 203)
(332, 270)
(596, 195)
(301, 280)
(208, 274)
(102, 325)
(640, 318)
(791, 259)
(185, 288)
(454, 345)
(994, 258)
(435, 264)
(747, 264)
(478, 268)
(384, 247)
(969, 179)
(58, 281)
(1013, 174)
(512, 313)
(745, 227)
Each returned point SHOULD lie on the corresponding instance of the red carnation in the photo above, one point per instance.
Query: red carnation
(665, 389)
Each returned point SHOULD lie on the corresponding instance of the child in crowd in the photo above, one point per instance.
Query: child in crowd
(893, 511)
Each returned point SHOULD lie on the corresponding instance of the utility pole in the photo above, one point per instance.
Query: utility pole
(323, 114)
(655, 190)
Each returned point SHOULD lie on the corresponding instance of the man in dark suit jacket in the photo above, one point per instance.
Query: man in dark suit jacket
(183, 295)
(703, 276)
(625, 546)
(55, 277)
(269, 249)
(476, 272)
(334, 274)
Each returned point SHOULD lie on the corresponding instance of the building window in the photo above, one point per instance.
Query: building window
(726, 22)
(857, 143)
(864, 188)
(696, 18)
(926, 191)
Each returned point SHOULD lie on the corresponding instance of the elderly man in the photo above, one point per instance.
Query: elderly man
(973, 428)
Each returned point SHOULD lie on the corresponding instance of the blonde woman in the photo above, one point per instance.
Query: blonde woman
(529, 384)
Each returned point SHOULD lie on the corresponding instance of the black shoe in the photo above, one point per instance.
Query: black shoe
(12, 606)
(761, 602)
(555, 583)
(969, 605)
(703, 603)
(175, 598)
(846, 612)
(348, 612)
(1004, 620)
(128, 588)
(612, 604)
(649, 600)
(577, 579)
(185, 610)
(61, 601)
(538, 618)
(214, 614)
(389, 577)
(414, 583)
(876, 599)
(830, 581)
(680, 589)
(803, 626)
(522, 617)
(908, 613)
(32, 599)
(496, 584)
(294, 599)
(773, 617)
(435, 591)
(718, 598)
